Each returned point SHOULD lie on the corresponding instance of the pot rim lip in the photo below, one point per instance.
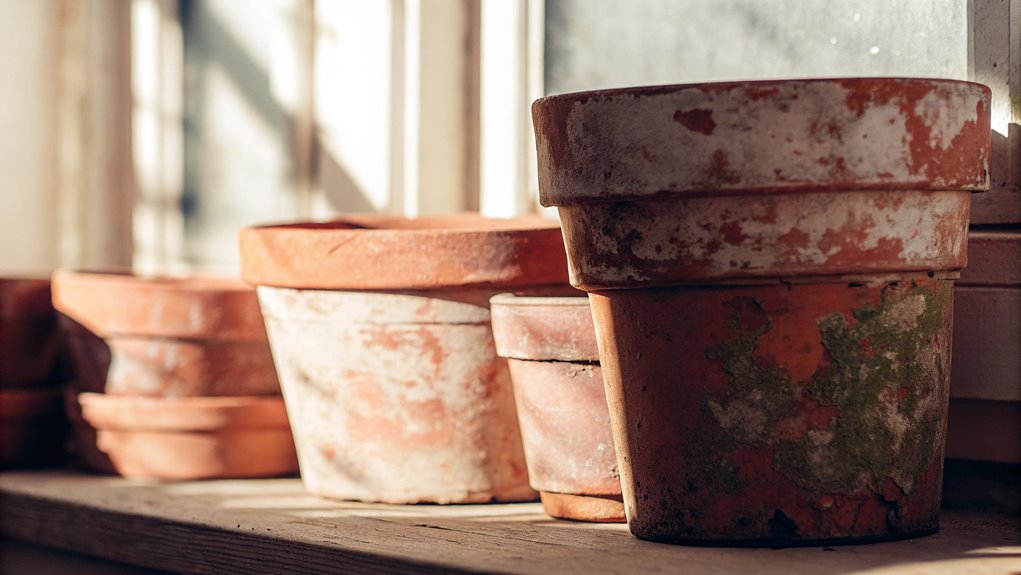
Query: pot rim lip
(657, 89)
(512, 300)
(121, 279)
(380, 225)
(268, 412)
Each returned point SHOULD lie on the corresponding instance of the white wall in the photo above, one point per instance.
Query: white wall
(28, 135)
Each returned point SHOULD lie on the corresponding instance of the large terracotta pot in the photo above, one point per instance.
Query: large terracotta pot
(29, 339)
(381, 334)
(32, 427)
(550, 345)
(164, 337)
(770, 268)
(188, 437)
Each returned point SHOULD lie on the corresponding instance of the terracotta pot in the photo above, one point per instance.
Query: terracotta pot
(164, 337)
(32, 427)
(29, 339)
(381, 333)
(189, 437)
(550, 345)
(770, 270)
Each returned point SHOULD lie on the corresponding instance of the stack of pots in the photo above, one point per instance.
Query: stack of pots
(31, 418)
(550, 345)
(174, 377)
(380, 329)
(770, 268)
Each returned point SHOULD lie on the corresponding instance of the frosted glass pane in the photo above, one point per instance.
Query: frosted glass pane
(610, 43)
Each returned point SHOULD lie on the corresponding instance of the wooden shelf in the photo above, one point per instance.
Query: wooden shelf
(274, 526)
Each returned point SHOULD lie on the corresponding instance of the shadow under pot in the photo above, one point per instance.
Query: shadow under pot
(164, 336)
(770, 268)
(29, 338)
(380, 329)
(186, 438)
(550, 345)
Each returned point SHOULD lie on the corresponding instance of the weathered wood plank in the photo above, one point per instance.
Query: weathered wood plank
(273, 526)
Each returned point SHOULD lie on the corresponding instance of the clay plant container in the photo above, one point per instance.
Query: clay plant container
(770, 268)
(163, 336)
(985, 378)
(189, 437)
(32, 426)
(29, 339)
(550, 346)
(380, 329)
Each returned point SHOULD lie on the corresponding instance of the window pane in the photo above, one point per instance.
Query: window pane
(609, 43)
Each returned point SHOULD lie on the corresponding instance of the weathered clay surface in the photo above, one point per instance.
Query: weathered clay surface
(187, 438)
(397, 397)
(164, 337)
(388, 253)
(779, 414)
(592, 508)
(186, 307)
(544, 328)
(32, 427)
(558, 388)
(847, 134)
(675, 239)
(565, 426)
(29, 339)
(769, 264)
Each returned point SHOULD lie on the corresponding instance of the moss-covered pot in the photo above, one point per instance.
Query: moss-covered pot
(550, 345)
(380, 329)
(770, 268)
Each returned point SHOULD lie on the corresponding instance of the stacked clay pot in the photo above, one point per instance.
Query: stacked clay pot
(380, 329)
(770, 267)
(174, 377)
(550, 346)
(32, 424)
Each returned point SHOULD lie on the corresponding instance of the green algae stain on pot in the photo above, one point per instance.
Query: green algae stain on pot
(885, 376)
(760, 391)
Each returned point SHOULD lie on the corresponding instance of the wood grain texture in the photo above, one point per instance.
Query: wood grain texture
(274, 526)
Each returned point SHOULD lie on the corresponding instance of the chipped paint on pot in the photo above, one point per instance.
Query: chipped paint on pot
(770, 137)
(186, 438)
(676, 239)
(164, 337)
(381, 335)
(29, 339)
(770, 267)
(558, 388)
(397, 397)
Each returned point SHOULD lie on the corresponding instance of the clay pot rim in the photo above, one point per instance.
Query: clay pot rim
(568, 166)
(424, 226)
(377, 252)
(511, 299)
(656, 89)
(127, 280)
(214, 413)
